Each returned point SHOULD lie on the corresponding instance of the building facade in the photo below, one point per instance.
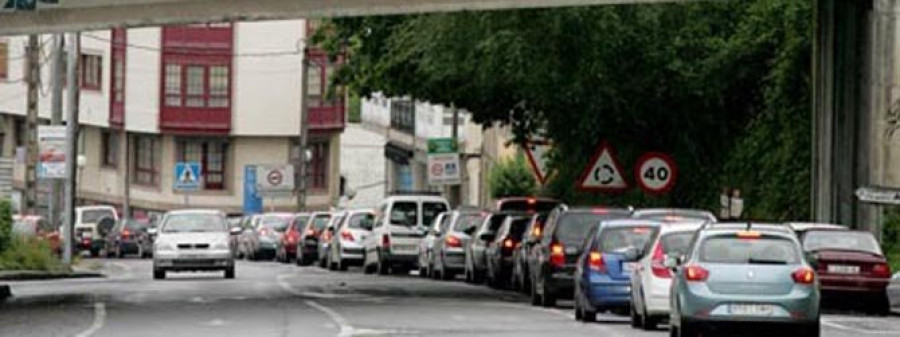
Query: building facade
(224, 95)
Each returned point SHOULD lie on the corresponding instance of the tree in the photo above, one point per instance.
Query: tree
(6, 223)
(511, 177)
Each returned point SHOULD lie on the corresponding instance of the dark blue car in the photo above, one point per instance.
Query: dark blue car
(603, 272)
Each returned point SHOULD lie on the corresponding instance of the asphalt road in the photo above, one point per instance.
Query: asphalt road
(271, 299)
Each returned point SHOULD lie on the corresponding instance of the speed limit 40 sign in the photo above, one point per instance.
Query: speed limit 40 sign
(656, 173)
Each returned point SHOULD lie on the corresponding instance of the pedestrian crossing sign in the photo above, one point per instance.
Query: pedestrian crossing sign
(187, 176)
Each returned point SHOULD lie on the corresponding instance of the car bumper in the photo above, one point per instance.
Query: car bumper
(562, 284)
(455, 260)
(606, 293)
(352, 253)
(212, 260)
(852, 284)
(656, 296)
(799, 306)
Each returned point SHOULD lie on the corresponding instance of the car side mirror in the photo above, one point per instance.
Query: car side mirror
(236, 230)
(486, 236)
(672, 261)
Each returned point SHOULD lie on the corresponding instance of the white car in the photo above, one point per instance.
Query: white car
(87, 233)
(193, 240)
(347, 243)
(399, 228)
(651, 280)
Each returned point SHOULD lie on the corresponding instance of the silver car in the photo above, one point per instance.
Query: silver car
(347, 244)
(448, 252)
(737, 276)
(193, 240)
(426, 246)
(261, 239)
(326, 238)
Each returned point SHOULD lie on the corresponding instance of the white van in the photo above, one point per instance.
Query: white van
(400, 224)
(86, 220)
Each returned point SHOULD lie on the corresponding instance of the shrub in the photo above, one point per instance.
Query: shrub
(28, 253)
(6, 223)
(890, 238)
(511, 177)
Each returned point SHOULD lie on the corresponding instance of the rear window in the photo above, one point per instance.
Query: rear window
(572, 228)
(517, 228)
(277, 222)
(539, 206)
(735, 250)
(299, 221)
(430, 210)
(320, 221)
(495, 222)
(404, 214)
(467, 221)
(618, 239)
(360, 219)
(841, 240)
(94, 216)
(676, 244)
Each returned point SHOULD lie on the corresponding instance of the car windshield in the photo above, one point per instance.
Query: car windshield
(618, 239)
(405, 213)
(467, 221)
(430, 210)
(841, 240)
(754, 250)
(299, 221)
(277, 222)
(573, 227)
(361, 220)
(320, 221)
(182, 223)
(676, 243)
(94, 215)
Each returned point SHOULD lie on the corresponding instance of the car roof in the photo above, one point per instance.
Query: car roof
(731, 227)
(415, 197)
(598, 209)
(681, 226)
(673, 211)
(196, 211)
(629, 223)
(807, 226)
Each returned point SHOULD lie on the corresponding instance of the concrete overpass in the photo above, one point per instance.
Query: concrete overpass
(856, 78)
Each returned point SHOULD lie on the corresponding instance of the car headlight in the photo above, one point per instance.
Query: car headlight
(162, 247)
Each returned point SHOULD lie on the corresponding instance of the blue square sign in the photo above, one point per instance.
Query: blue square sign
(187, 176)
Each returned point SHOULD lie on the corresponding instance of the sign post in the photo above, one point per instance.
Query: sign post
(187, 179)
(443, 162)
(603, 174)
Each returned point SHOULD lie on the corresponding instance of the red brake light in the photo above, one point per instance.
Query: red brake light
(536, 232)
(557, 254)
(595, 261)
(657, 264)
(881, 270)
(453, 242)
(696, 274)
(125, 233)
(509, 243)
(749, 235)
(386, 241)
(599, 211)
(347, 236)
(804, 276)
(311, 232)
(532, 201)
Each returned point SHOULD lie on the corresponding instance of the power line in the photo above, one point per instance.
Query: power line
(298, 49)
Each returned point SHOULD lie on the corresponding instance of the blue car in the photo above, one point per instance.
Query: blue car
(603, 272)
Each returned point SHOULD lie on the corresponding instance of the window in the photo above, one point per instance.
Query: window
(146, 160)
(4, 59)
(91, 71)
(403, 116)
(317, 166)
(212, 155)
(197, 86)
(118, 87)
(110, 148)
(315, 86)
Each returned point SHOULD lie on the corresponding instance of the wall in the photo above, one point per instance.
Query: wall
(142, 81)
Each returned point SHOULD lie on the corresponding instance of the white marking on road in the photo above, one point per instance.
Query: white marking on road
(99, 320)
(216, 322)
(839, 326)
(344, 327)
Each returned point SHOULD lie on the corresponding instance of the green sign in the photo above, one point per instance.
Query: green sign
(442, 145)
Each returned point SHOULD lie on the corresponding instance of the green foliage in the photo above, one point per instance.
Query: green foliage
(6, 223)
(890, 238)
(354, 110)
(27, 253)
(511, 177)
(723, 87)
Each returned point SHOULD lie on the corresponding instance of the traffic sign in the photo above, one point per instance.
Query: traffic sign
(443, 162)
(537, 150)
(275, 180)
(604, 173)
(187, 176)
(656, 173)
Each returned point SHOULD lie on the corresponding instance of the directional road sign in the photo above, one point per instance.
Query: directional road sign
(603, 174)
(187, 176)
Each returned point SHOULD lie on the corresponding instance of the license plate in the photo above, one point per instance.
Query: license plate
(405, 249)
(571, 250)
(628, 267)
(751, 309)
(840, 269)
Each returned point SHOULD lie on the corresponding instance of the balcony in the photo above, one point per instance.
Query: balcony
(326, 118)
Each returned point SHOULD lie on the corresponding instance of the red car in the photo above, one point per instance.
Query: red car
(287, 248)
(36, 227)
(851, 268)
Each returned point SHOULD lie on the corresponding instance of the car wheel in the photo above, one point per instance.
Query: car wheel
(588, 315)
(686, 330)
(578, 315)
(159, 274)
(342, 266)
(229, 273)
(812, 330)
(382, 267)
(636, 320)
(535, 297)
(547, 298)
(880, 305)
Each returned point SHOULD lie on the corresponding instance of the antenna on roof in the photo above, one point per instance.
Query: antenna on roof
(749, 224)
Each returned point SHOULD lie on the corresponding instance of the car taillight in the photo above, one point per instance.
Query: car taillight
(595, 261)
(804, 276)
(347, 236)
(657, 263)
(291, 237)
(326, 236)
(453, 242)
(696, 274)
(536, 232)
(263, 231)
(386, 241)
(881, 270)
(125, 234)
(311, 232)
(557, 254)
(509, 244)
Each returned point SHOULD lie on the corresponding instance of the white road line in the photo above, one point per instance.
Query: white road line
(836, 325)
(99, 320)
(345, 329)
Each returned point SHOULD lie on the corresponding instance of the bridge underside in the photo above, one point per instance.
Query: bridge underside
(78, 15)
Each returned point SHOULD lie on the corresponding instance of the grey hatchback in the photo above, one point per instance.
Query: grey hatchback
(743, 276)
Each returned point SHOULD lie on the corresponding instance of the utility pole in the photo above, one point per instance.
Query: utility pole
(300, 161)
(126, 204)
(56, 105)
(31, 120)
(71, 144)
(454, 132)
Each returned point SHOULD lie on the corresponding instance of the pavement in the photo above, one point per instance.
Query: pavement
(272, 299)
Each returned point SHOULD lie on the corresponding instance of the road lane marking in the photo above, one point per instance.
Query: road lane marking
(282, 282)
(344, 327)
(839, 326)
(99, 320)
